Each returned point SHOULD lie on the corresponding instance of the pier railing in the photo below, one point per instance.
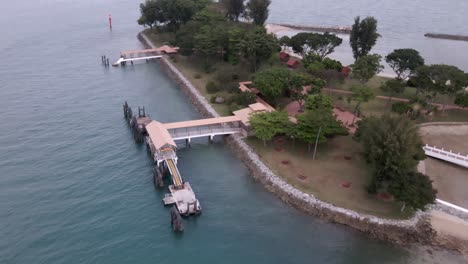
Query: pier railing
(203, 131)
(449, 156)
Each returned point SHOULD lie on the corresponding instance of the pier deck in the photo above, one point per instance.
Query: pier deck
(185, 199)
(119, 61)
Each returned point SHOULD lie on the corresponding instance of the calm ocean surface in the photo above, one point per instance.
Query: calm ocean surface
(74, 188)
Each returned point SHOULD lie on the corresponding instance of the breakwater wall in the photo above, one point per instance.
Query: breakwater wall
(446, 36)
(338, 29)
(403, 232)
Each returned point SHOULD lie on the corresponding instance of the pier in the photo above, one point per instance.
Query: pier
(145, 54)
(160, 139)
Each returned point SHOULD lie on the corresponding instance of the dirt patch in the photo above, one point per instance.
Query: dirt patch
(338, 175)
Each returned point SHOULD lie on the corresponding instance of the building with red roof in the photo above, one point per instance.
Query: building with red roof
(293, 64)
(284, 56)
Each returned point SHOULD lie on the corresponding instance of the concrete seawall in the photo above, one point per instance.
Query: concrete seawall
(446, 36)
(403, 232)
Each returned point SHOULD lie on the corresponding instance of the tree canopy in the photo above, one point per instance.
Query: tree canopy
(394, 148)
(393, 86)
(272, 83)
(314, 121)
(462, 100)
(234, 8)
(319, 102)
(363, 36)
(258, 46)
(317, 44)
(367, 67)
(269, 124)
(404, 62)
(172, 13)
(361, 94)
(257, 10)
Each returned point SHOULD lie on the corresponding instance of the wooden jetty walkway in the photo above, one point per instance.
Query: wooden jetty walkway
(144, 54)
(160, 139)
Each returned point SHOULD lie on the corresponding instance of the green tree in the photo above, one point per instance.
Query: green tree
(206, 44)
(258, 46)
(330, 64)
(393, 146)
(234, 8)
(392, 87)
(170, 13)
(235, 35)
(421, 80)
(414, 189)
(446, 79)
(366, 67)
(257, 10)
(363, 36)
(404, 62)
(462, 99)
(284, 41)
(151, 12)
(319, 102)
(297, 85)
(272, 83)
(317, 44)
(269, 124)
(361, 94)
(316, 126)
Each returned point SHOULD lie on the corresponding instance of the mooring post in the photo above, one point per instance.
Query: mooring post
(108, 62)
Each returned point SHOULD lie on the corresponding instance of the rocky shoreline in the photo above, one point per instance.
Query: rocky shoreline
(402, 232)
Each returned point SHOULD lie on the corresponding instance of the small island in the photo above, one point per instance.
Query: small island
(342, 134)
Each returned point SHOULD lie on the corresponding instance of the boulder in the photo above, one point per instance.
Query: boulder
(219, 100)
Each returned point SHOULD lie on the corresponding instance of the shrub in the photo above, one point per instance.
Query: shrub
(211, 87)
(213, 99)
(197, 76)
(234, 107)
(226, 75)
(462, 100)
(245, 98)
(401, 107)
(231, 87)
(330, 64)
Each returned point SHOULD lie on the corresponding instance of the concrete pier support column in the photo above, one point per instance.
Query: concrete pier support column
(211, 138)
(188, 141)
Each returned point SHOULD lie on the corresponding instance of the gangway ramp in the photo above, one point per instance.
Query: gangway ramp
(449, 156)
(176, 178)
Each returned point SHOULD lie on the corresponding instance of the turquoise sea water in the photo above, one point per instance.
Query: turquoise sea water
(74, 188)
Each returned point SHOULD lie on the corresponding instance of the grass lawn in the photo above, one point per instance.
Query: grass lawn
(377, 81)
(339, 162)
(378, 107)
